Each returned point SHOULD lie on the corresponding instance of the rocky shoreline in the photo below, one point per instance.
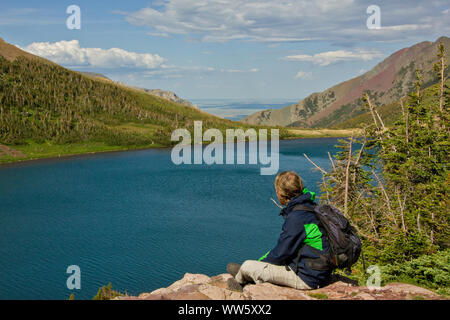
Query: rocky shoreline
(202, 287)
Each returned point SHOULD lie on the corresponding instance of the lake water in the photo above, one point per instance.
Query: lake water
(135, 219)
(236, 109)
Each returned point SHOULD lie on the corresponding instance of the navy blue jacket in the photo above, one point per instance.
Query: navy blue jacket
(300, 228)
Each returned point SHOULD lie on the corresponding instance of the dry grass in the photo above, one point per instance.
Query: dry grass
(318, 133)
(11, 52)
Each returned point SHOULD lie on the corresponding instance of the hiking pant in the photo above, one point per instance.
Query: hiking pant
(259, 272)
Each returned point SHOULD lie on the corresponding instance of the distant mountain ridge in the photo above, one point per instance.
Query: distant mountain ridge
(169, 95)
(387, 82)
(165, 94)
(95, 75)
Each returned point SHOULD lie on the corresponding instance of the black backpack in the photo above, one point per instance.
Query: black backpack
(345, 245)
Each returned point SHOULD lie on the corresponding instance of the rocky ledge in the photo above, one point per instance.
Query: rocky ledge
(202, 287)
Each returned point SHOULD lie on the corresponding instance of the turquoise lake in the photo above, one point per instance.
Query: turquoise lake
(135, 219)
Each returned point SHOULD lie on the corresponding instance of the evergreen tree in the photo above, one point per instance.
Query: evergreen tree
(393, 183)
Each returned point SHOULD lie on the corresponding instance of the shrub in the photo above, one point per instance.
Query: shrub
(431, 271)
(107, 293)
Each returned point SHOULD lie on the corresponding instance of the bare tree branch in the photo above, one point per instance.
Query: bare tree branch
(324, 183)
(359, 158)
(388, 201)
(331, 160)
(347, 174)
(315, 165)
(403, 108)
(371, 110)
(402, 210)
(372, 222)
(379, 119)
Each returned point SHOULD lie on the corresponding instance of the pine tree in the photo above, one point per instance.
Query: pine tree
(393, 183)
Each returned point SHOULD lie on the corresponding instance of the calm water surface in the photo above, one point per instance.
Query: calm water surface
(135, 219)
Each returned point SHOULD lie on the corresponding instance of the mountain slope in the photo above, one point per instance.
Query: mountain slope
(390, 113)
(47, 106)
(169, 95)
(10, 52)
(387, 82)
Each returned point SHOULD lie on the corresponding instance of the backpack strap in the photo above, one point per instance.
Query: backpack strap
(302, 207)
(323, 262)
(298, 259)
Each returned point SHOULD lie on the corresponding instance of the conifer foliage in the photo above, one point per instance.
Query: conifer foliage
(393, 182)
(41, 101)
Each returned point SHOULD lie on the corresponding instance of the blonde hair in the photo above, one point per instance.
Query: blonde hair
(288, 185)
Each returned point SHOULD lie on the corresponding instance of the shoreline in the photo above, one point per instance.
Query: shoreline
(74, 155)
(314, 134)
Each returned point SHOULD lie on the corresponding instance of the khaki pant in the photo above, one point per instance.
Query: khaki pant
(259, 272)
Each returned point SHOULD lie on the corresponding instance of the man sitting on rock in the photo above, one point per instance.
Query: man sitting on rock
(283, 265)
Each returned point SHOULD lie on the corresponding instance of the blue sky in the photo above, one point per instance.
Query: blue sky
(241, 49)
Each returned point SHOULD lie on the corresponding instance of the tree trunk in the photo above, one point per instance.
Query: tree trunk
(418, 222)
(347, 176)
(441, 97)
(371, 111)
(402, 210)
(407, 130)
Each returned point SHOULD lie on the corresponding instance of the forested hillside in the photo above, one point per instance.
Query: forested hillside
(41, 102)
(44, 104)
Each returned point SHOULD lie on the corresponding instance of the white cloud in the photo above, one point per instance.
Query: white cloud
(222, 20)
(172, 71)
(329, 57)
(303, 75)
(26, 17)
(291, 20)
(70, 53)
(406, 27)
(240, 70)
(159, 34)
